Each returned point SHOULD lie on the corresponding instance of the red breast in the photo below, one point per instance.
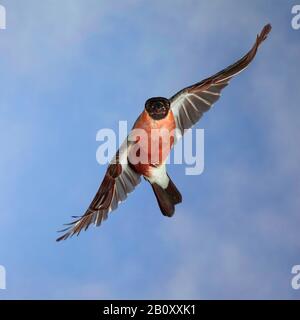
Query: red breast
(156, 142)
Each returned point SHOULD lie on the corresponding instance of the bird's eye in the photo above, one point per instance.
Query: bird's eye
(157, 105)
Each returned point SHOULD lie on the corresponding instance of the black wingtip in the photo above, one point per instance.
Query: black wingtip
(60, 239)
(264, 32)
(65, 236)
(268, 28)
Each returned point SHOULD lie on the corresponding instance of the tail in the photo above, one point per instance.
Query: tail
(167, 198)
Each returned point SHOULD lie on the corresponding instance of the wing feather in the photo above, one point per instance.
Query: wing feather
(119, 180)
(189, 104)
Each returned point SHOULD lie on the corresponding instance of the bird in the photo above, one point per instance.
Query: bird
(174, 115)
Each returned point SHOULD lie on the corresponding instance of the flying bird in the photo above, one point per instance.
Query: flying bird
(176, 114)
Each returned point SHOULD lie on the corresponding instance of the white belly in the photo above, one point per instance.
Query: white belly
(159, 176)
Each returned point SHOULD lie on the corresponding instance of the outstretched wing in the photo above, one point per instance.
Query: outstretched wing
(189, 104)
(119, 180)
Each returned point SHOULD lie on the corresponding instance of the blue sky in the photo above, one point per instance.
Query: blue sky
(70, 68)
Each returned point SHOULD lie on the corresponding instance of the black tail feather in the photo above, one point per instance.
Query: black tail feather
(167, 198)
(174, 192)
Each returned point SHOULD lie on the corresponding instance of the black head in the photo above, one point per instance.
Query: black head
(157, 107)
